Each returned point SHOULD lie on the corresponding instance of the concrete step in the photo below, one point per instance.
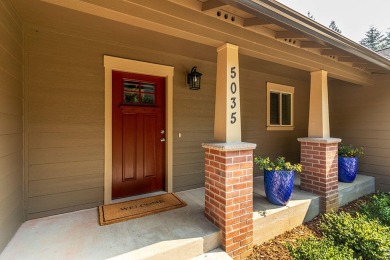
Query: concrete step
(361, 186)
(216, 254)
(271, 220)
(173, 249)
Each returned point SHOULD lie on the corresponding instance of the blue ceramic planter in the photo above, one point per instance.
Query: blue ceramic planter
(279, 186)
(348, 168)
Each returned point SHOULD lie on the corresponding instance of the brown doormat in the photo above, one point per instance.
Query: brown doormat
(123, 211)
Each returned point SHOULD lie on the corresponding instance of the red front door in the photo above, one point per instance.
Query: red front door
(138, 132)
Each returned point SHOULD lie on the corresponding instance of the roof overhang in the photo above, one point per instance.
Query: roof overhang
(264, 29)
(297, 22)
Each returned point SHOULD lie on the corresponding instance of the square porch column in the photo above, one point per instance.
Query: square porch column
(229, 162)
(319, 159)
(319, 152)
(229, 194)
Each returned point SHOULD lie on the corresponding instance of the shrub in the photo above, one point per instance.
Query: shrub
(279, 164)
(312, 249)
(367, 238)
(378, 207)
(350, 151)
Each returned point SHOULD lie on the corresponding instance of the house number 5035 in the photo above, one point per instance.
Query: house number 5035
(233, 90)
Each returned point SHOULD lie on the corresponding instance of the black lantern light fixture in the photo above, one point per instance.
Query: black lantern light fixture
(193, 79)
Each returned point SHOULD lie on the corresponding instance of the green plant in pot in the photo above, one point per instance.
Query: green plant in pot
(348, 162)
(278, 178)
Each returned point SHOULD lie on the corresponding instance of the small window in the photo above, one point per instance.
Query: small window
(280, 107)
(138, 93)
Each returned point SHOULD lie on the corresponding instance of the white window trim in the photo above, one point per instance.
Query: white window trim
(278, 88)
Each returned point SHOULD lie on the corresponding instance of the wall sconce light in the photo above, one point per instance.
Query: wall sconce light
(193, 79)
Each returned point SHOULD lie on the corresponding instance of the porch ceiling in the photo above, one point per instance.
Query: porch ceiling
(262, 29)
(291, 26)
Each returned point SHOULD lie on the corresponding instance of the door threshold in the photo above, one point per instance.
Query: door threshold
(142, 196)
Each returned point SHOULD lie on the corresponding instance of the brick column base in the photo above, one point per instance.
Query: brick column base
(229, 194)
(319, 159)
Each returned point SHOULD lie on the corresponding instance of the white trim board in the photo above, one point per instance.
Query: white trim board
(114, 63)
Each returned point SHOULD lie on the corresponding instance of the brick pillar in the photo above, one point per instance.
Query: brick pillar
(229, 194)
(319, 159)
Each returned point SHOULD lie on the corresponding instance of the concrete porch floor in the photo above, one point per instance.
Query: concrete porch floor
(182, 233)
(77, 235)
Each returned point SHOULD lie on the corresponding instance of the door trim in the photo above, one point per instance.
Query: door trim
(139, 67)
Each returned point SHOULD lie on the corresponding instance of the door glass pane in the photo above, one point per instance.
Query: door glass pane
(147, 87)
(274, 108)
(286, 109)
(137, 93)
(131, 97)
(130, 92)
(130, 86)
(148, 99)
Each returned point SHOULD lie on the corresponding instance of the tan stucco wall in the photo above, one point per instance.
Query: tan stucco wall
(361, 116)
(66, 108)
(11, 123)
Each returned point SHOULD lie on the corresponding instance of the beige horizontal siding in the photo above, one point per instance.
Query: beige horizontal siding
(57, 201)
(66, 107)
(53, 140)
(66, 117)
(61, 112)
(79, 124)
(189, 158)
(65, 154)
(194, 120)
(10, 143)
(66, 122)
(11, 24)
(8, 60)
(254, 117)
(189, 181)
(370, 144)
(10, 104)
(12, 212)
(7, 81)
(63, 185)
(9, 180)
(197, 124)
(10, 163)
(187, 169)
(66, 169)
(11, 123)
(56, 211)
(361, 116)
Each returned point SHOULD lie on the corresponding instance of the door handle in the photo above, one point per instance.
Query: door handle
(162, 139)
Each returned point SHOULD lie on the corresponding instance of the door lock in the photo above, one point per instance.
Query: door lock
(162, 131)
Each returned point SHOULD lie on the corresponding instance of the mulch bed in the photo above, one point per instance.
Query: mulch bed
(275, 248)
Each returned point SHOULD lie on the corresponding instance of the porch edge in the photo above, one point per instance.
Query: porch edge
(229, 146)
(329, 140)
